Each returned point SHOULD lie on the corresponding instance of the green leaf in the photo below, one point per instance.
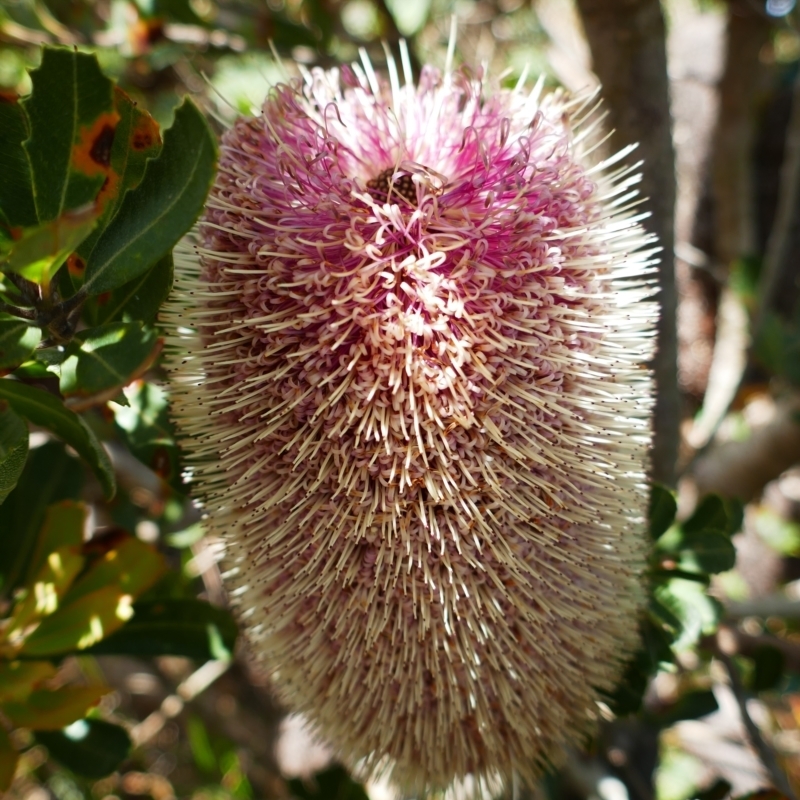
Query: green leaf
(50, 475)
(79, 624)
(718, 790)
(655, 650)
(140, 299)
(19, 678)
(781, 534)
(13, 449)
(661, 616)
(697, 613)
(18, 339)
(690, 705)
(136, 139)
(200, 744)
(176, 627)
(100, 361)
(92, 748)
(769, 664)
(39, 252)
(714, 513)
(16, 188)
(63, 526)
(48, 412)
(153, 217)
(707, 551)
(333, 783)
(72, 124)
(147, 429)
(661, 513)
(49, 710)
(131, 566)
(8, 760)
(661, 575)
(42, 596)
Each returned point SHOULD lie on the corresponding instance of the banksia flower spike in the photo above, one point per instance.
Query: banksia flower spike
(407, 345)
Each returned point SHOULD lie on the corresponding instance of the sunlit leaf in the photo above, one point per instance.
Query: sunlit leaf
(18, 339)
(72, 126)
(38, 252)
(781, 534)
(200, 744)
(409, 15)
(13, 448)
(49, 412)
(100, 361)
(132, 566)
(92, 748)
(187, 628)
(50, 710)
(80, 624)
(688, 601)
(50, 475)
(63, 526)
(154, 216)
(148, 432)
(42, 595)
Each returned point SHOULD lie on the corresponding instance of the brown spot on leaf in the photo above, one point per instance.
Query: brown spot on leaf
(7, 96)
(103, 298)
(145, 135)
(109, 190)
(101, 149)
(91, 154)
(75, 265)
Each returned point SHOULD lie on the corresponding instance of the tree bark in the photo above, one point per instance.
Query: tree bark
(628, 44)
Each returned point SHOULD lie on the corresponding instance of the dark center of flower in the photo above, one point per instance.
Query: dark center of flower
(400, 184)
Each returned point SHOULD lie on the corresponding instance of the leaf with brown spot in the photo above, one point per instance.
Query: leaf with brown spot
(136, 138)
(41, 250)
(163, 207)
(91, 154)
(72, 121)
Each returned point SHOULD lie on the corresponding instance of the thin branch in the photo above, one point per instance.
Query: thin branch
(743, 469)
(765, 752)
(29, 290)
(628, 44)
(780, 259)
(770, 606)
(24, 313)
